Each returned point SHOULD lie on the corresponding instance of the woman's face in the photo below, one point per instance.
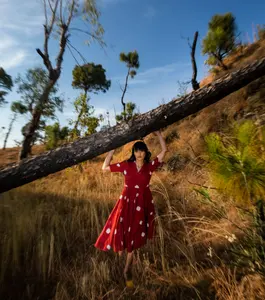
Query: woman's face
(139, 155)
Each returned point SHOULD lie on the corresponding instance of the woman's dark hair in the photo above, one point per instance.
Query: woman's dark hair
(142, 147)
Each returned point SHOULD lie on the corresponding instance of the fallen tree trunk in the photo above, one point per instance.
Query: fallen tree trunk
(86, 148)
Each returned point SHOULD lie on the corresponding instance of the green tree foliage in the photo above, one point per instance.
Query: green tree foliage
(132, 62)
(129, 112)
(6, 83)
(86, 123)
(237, 166)
(16, 108)
(54, 135)
(237, 163)
(31, 87)
(90, 78)
(220, 39)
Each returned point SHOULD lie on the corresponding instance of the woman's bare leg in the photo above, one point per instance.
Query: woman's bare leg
(128, 269)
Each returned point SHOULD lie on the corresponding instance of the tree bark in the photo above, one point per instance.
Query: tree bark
(194, 82)
(9, 129)
(35, 121)
(54, 73)
(88, 147)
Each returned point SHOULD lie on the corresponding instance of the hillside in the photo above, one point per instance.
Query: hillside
(48, 227)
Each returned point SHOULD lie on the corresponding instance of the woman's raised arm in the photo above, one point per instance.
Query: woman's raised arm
(107, 160)
(163, 146)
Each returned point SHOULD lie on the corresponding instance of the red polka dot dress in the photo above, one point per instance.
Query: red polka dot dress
(131, 221)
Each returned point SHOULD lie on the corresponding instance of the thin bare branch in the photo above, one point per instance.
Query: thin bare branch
(71, 13)
(50, 28)
(72, 54)
(50, 6)
(45, 12)
(98, 39)
(61, 11)
(121, 88)
(47, 33)
(82, 57)
(64, 39)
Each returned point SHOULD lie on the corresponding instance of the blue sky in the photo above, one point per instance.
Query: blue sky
(156, 29)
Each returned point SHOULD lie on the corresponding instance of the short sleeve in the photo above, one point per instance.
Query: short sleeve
(155, 164)
(118, 167)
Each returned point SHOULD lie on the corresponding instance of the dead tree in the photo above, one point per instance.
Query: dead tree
(86, 148)
(59, 16)
(194, 82)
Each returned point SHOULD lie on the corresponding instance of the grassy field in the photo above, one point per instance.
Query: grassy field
(48, 227)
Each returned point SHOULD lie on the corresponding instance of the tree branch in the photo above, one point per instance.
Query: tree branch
(82, 57)
(72, 54)
(98, 39)
(33, 168)
(45, 13)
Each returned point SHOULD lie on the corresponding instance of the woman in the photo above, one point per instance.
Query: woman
(131, 222)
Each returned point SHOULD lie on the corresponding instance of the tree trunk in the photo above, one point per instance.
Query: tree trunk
(34, 124)
(88, 147)
(9, 129)
(80, 113)
(222, 64)
(123, 93)
(194, 82)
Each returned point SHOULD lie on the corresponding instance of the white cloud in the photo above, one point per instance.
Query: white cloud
(13, 60)
(150, 12)
(153, 73)
(157, 71)
(6, 42)
(20, 23)
(22, 16)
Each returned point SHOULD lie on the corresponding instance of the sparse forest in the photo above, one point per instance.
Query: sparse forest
(209, 195)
